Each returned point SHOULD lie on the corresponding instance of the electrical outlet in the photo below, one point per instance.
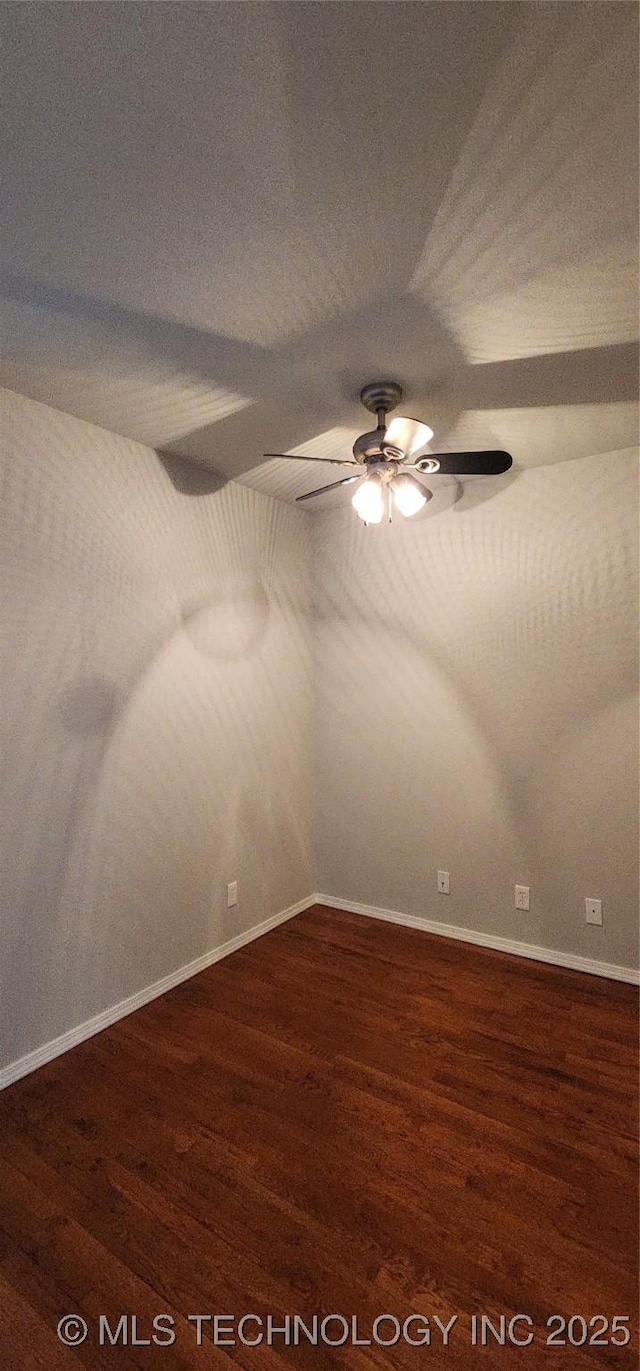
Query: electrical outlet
(232, 894)
(444, 887)
(522, 897)
(593, 911)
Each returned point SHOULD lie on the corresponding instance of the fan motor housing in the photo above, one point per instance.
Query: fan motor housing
(371, 447)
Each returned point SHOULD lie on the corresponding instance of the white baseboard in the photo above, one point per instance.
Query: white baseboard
(470, 935)
(57, 1046)
(32, 1060)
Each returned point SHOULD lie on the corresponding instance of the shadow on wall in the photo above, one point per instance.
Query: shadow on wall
(579, 807)
(230, 624)
(224, 625)
(149, 628)
(220, 622)
(474, 681)
(87, 708)
(188, 478)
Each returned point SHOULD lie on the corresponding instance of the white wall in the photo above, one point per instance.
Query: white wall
(477, 709)
(156, 713)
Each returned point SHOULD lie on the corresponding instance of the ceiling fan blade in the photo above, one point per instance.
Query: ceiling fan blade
(408, 434)
(490, 463)
(348, 480)
(326, 461)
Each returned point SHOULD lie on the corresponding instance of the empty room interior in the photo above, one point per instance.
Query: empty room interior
(319, 507)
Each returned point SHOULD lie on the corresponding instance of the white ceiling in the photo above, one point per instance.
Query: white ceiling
(221, 220)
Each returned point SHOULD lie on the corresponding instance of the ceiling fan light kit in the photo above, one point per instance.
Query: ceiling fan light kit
(402, 492)
(390, 453)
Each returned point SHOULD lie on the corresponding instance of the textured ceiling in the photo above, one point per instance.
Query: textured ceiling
(221, 220)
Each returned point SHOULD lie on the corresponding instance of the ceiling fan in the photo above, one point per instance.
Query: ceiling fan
(390, 454)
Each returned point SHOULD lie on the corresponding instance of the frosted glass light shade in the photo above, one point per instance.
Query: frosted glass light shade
(368, 501)
(408, 495)
(409, 435)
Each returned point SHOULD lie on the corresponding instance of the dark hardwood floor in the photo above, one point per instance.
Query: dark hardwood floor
(344, 1117)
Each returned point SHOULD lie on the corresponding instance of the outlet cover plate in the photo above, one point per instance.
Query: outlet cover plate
(593, 911)
(522, 897)
(232, 894)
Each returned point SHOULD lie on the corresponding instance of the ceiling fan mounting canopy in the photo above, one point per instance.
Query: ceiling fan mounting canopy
(381, 395)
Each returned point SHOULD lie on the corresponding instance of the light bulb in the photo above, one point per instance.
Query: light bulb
(408, 495)
(368, 502)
